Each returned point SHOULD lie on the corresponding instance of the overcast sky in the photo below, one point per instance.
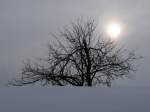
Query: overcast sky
(25, 26)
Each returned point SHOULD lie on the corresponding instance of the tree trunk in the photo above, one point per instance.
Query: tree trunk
(89, 83)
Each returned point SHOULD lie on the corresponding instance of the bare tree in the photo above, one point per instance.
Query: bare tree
(83, 59)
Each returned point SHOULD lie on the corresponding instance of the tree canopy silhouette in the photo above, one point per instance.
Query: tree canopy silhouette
(83, 58)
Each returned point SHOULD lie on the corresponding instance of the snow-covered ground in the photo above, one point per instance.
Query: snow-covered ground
(70, 99)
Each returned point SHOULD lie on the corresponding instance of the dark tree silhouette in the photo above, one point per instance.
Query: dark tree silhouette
(81, 59)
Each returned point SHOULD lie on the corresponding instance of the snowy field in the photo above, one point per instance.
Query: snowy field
(70, 99)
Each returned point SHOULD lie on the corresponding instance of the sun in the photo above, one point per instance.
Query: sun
(113, 30)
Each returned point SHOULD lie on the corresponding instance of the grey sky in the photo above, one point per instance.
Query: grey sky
(25, 26)
(24, 33)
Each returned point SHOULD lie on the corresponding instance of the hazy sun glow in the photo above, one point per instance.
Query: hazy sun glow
(113, 30)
